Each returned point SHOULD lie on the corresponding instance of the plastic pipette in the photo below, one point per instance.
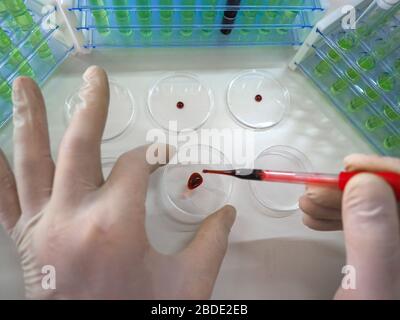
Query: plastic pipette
(328, 180)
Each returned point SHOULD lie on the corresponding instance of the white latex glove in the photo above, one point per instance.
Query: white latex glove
(369, 214)
(93, 231)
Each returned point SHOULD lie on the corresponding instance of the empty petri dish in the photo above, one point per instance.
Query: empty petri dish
(257, 100)
(191, 201)
(180, 102)
(280, 199)
(121, 111)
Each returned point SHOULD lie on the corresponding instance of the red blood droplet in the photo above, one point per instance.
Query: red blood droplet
(195, 181)
(258, 98)
(180, 105)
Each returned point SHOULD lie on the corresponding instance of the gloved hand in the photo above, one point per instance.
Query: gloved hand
(90, 230)
(369, 214)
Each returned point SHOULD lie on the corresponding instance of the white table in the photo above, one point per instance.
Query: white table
(267, 257)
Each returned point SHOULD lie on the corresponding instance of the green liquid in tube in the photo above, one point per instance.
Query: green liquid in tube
(123, 17)
(391, 142)
(187, 18)
(397, 65)
(249, 17)
(25, 21)
(5, 90)
(100, 17)
(208, 18)
(287, 17)
(322, 68)
(371, 93)
(268, 18)
(15, 58)
(356, 104)
(334, 55)
(338, 86)
(366, 62)
(347, 42)
(390, 113)
(373, 123)
(352, 74)
(386, 81)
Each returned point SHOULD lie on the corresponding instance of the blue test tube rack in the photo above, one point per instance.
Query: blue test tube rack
(28, 47)
(170, 23)
(359, 71)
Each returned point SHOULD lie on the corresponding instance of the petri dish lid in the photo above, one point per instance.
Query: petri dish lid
(193, 206)
(257, 100)
(280, 199)
(181, 99)
(121, 111)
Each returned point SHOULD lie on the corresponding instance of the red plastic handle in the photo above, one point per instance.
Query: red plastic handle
(390, 177)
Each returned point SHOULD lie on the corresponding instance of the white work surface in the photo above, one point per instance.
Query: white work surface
(267, 257)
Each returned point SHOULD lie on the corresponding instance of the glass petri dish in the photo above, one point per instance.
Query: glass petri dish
(121, 111)
(280, 199)
(193, 206)
(180, 102)
(257, 100)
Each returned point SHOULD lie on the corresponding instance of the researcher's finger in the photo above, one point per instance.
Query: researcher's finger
(9, 205)
(204, 255)
(79, 164)
(357, 162)
(33, 165)
(321, 224)
(326, 197)
(317, 211)
(371, 228)
(128, 180)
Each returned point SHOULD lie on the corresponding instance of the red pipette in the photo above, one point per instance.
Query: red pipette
(339, 181)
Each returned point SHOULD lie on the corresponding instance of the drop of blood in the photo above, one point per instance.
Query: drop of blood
(258, 98)
(195, 181)
(180, 105)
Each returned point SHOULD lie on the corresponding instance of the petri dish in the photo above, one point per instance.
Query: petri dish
(180, 102)
(193, 206)
(257, 100)
(279, 199)
(121, 111)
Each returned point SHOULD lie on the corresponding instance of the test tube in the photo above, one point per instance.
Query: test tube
(15, 58)
(373, 123)
(144, 18)
(123, 17)
(187, 18)
(5, 90)
(3, 10)
(232, 8)
(366, 62)
(208, 17)
(323, 67)
(338, 86)
(287, 18)
(166, 18)
(371, 93)
(268, 18)
(391, 142)
(386, 81)
(390, 113)
(100, 17)
(352, 74)
(396, 66)
(376, 14)
(248, 20)
(25, 21)
(347, 41)
(357, 104)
